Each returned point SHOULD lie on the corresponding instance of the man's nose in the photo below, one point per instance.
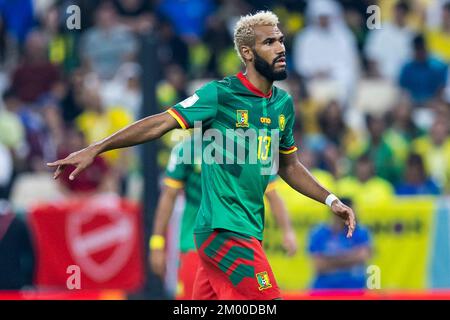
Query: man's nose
(281, 49)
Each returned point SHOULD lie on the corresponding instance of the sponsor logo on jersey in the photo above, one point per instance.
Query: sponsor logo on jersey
(265, 120)
(242, 118)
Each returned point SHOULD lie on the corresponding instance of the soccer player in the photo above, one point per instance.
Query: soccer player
(187, 175)
(230, 221)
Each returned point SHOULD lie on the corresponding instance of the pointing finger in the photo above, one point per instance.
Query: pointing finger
(58, 171)
(75, 173)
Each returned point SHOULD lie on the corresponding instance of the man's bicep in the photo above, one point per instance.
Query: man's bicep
(287, 161)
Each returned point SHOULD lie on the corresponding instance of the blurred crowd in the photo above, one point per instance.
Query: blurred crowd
(371, 87)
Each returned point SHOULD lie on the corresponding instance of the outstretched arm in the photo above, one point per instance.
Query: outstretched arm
(281, 215)
(164, 211)
(300, 179)
(146, 129)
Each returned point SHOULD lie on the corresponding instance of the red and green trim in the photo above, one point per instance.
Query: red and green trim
(251, 87)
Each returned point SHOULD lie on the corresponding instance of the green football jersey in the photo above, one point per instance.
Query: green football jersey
(186, 175)
(243, 130)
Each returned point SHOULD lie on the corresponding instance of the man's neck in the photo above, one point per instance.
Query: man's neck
(259, 81)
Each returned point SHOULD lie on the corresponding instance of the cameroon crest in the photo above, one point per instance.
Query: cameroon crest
(263, 280)
(242, 118)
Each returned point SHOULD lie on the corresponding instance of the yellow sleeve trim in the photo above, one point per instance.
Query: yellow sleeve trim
(271, 186)
(178, 118)
(176, 184)
(289, 151)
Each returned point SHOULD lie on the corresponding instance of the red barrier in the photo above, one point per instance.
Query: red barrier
(367, 295)
(64, 295)
(91, 243)
(297, 295)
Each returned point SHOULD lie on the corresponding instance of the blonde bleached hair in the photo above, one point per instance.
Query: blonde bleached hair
(244, 33)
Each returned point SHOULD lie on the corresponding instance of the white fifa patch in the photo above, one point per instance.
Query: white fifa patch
(188, 102)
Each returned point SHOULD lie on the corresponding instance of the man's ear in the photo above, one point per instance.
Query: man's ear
(247, 53)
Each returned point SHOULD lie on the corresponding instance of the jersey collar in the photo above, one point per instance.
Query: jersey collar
(251, 87)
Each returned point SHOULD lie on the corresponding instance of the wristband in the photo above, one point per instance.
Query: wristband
(329, 200)
(157, 242)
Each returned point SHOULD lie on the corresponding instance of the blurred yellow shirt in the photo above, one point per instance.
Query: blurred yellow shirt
(439, 44)
(375, 189)
(293, 200)
(436, 159)
(96, 126)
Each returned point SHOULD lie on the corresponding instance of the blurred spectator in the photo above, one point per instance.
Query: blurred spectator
(438, 39)
(136, 14)
(35, 75)
(416, 181)
(171, 48)
(326, 48)
(12, 132)
(95, 178)
(310, 161)
(96, 122)
(433, 14)
(188, 17)
(108, 44)
(335, 140)
(8, 50)
(388, 48)
(61, 45)
(19, 17)
(72, 102)
(231, 10)
(336, 131)
(219, 42)
(124, 91)
(339, 262)
(306, 108)
(365, 187)
(379, 150)
(16, 251)
(355, 14)
(12, 139)
(423, 77)
(435, 151)
(401, 129)
(41, 127)
(43, 134)
(173, 87)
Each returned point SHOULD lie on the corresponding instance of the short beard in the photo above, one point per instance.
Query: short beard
(268, 70)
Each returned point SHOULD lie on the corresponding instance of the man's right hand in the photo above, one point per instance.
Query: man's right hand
(157, 261)
(80, 159)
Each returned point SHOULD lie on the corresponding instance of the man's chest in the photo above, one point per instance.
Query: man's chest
(257, 114)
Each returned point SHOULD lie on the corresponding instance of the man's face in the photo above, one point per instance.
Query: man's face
(364, 170)
(269, 53)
